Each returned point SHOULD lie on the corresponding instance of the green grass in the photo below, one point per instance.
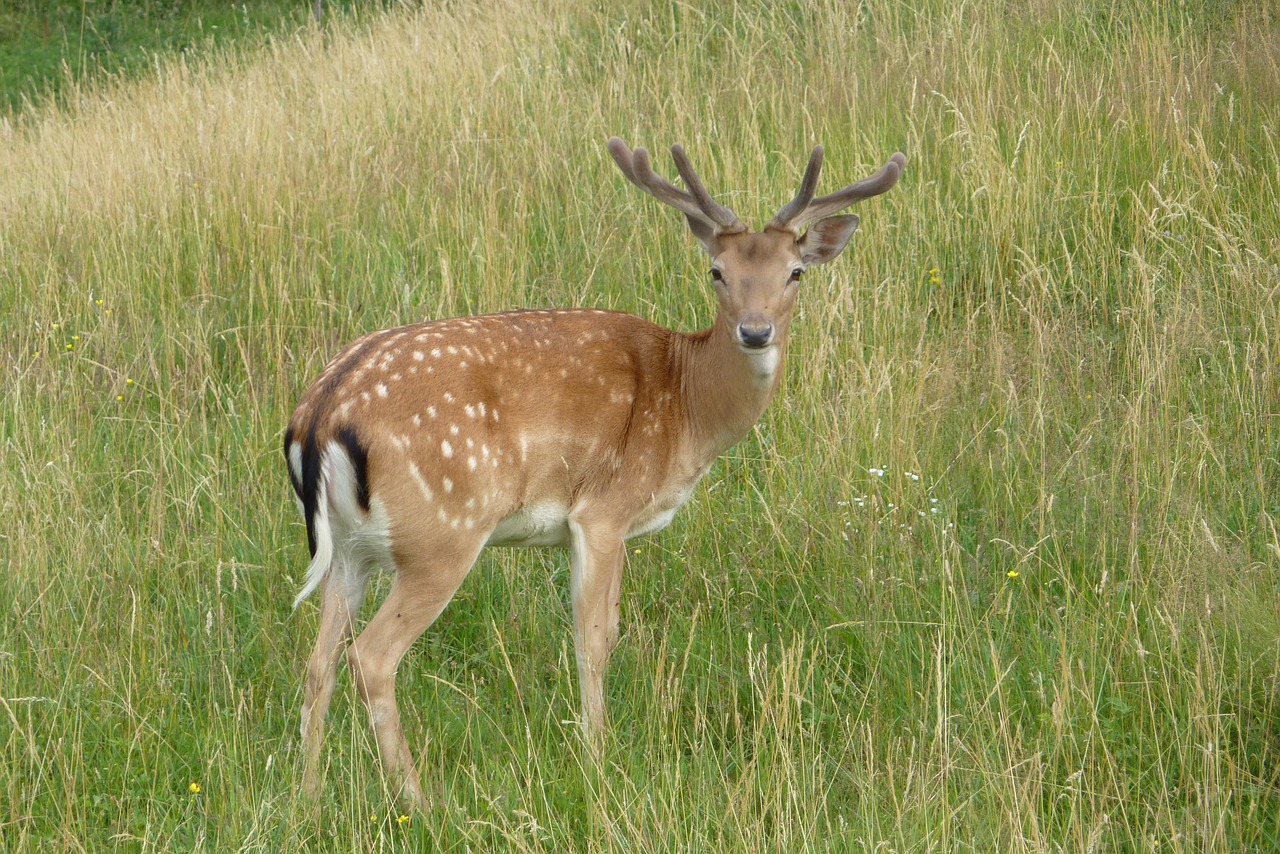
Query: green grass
(1079, 650)
(50, 47)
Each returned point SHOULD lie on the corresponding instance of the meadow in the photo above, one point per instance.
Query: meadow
(52, 47)
(999, 570)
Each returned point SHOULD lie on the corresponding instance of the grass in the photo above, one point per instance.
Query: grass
(1077, 651)
(50, 47)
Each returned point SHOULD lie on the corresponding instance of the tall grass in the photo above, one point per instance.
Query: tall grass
(1051, 623)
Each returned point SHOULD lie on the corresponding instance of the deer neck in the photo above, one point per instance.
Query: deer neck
(724, 390)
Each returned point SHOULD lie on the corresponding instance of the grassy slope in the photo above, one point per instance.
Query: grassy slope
(52, 46)
(811, 657)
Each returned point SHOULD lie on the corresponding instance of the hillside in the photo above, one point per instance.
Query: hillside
(998, 570)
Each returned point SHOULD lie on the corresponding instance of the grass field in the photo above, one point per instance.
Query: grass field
(51, 47)
(1052, 623)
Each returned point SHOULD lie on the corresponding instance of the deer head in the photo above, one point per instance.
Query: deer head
(756, 275)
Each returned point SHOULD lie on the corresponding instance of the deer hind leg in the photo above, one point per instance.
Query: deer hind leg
(424, 585)
(596, 561)
(341, 596)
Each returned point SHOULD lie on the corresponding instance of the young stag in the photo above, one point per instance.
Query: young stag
(419, 446)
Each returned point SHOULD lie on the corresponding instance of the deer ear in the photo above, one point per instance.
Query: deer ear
(827, 238)
(705, 232)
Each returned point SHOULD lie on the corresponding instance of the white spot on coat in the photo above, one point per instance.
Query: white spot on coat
(422, 483)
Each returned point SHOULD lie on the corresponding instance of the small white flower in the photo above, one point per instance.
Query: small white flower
(876, 472)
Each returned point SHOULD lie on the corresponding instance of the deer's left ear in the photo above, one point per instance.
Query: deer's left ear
(827, 238)
(705, 232)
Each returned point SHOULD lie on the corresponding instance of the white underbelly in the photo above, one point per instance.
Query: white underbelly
(544, 523)
(660, 513)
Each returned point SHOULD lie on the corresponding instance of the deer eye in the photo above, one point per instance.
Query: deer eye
(797, 273)
(716, 275)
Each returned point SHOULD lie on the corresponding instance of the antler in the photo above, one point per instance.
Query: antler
(804, 208)
(695, 203)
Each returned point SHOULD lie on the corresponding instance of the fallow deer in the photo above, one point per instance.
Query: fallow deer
(419, 446)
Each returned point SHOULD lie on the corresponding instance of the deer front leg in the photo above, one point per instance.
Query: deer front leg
(615, 604)
(596, 561)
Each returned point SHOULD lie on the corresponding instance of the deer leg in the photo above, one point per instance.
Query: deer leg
(340, 602)
(596, 560)
(421, 591)
(615, 606)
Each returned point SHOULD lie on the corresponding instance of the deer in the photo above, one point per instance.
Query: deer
(419, 446)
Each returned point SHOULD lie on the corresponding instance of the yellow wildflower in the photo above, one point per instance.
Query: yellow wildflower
(194, 788)
(1013, 573)
(402, 819)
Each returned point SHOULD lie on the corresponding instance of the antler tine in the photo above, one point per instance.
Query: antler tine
(637, 167)
(723, 217)
(663, 189)
(878, 183)
(622, 156)
(808, 187)
(695, 203)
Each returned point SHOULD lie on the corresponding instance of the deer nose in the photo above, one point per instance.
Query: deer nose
(755, 333)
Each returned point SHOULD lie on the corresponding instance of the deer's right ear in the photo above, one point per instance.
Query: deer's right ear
(705, 232)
